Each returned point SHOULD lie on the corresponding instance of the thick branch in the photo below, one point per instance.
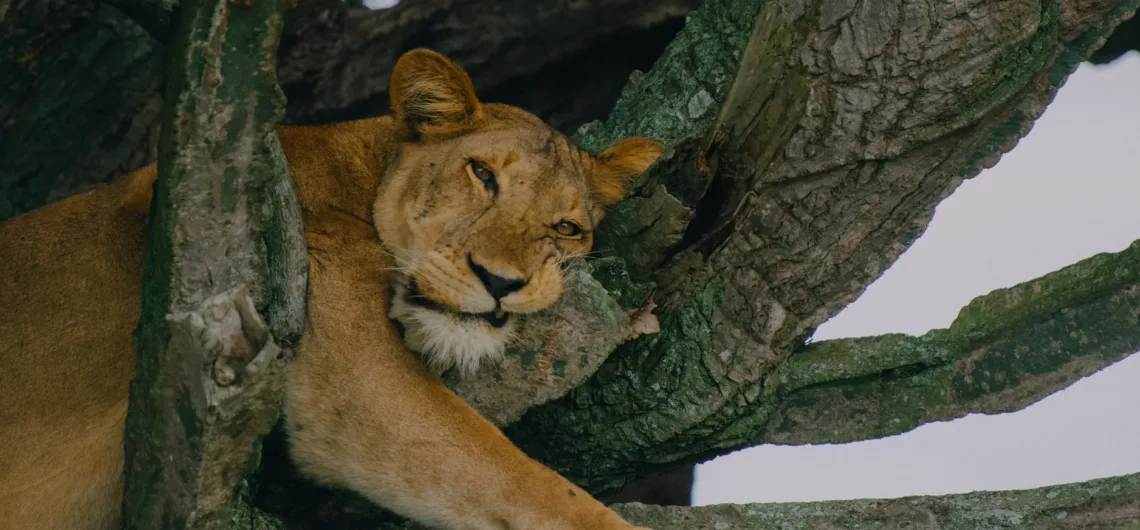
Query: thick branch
(1111, 503)
(225, 226)
(751, 252)
(1005, 351)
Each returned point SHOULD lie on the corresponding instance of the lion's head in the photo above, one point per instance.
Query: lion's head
(482, 207)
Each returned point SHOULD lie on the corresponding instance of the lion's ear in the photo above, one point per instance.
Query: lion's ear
(429, 93)
(617, 166)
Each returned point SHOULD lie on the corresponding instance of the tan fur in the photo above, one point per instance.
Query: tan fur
(362, 412)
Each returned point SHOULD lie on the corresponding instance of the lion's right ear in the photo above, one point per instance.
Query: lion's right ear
(617, 166)
(430, 94)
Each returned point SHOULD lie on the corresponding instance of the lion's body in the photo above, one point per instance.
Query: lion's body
(71, 299)
(361, 411)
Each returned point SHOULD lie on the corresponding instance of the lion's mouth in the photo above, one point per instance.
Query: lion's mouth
(412, 295)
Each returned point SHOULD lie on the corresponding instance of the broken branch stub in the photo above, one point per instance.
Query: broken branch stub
(232, 377)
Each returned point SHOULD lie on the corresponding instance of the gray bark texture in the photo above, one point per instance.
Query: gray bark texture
(225, 243)
(757, 230)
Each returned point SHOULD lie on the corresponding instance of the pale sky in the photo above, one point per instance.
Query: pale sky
(1070, 189)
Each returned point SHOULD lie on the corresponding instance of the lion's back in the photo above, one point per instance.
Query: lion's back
(70, 286)
(70, 276)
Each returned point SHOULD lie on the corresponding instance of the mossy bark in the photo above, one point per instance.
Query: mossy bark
(897, 102)
(225, 246)
(1005, 351)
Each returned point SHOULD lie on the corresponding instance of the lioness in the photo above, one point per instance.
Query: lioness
(448, 216)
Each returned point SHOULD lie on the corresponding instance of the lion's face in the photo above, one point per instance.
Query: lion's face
(482, 209)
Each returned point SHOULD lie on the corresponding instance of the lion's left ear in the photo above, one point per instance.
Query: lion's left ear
(429, 94)
(617, 166)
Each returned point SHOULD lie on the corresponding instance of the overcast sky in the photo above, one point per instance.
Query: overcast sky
(1069, 190)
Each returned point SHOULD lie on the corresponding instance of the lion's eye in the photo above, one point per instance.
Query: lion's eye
(480, 171)
(568, 229)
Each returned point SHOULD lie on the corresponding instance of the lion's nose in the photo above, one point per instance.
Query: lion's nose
(497, 285)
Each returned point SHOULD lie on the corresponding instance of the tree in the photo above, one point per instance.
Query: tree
(810, 143)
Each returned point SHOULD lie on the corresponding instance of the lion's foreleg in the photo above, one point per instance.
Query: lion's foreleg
(363, 414)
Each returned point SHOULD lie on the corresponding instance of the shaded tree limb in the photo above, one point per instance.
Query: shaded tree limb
(1124, 39)
(79, 99)
(225, 243)
(1110, 503)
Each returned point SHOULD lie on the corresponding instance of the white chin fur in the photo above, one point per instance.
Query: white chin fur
(446, 340)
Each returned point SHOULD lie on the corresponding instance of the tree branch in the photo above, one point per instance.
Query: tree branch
(1005, 351)
(811, 142)
(751, 252)
(1111, 503)
(225, 232)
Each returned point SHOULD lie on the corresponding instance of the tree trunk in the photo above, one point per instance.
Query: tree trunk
(225, 243)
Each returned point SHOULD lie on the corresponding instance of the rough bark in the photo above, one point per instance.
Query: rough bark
(79, 79)
(1111, 503)
(79, 96)
(1125, 38)
(898, 103)
(1005, 351)
(225, 242)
